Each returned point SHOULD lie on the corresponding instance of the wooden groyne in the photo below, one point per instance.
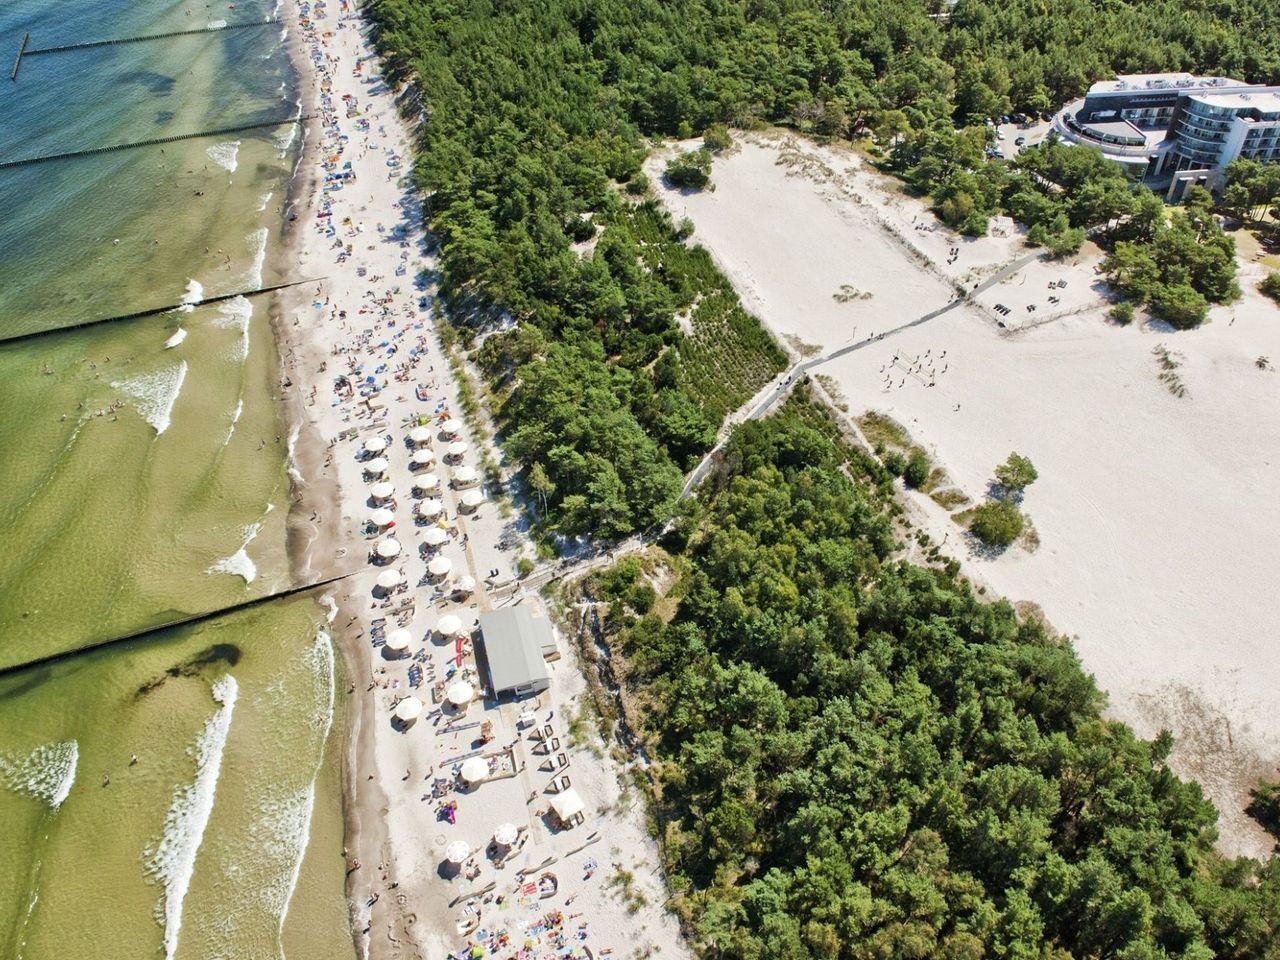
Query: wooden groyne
(17, 61)
(181, 620)
(153, 311)
(223, 131)
(150, 36)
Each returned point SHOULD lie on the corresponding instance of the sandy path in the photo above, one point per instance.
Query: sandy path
(366, 321)
(1153, 511)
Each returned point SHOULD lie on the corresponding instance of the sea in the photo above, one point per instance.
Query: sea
(176, 794)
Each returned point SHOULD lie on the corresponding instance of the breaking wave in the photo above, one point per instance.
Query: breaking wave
(257, 242)
(172, 860)
(239, 563)
(235, 313)
(47, 773)
(154, 394)
(224, 155)
(193, 295)
(178, 336)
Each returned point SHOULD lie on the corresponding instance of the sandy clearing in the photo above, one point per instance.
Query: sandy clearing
(1154, 512)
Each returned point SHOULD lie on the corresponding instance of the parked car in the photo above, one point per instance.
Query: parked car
(1020, 142)
(999, 134)
(1018, 117)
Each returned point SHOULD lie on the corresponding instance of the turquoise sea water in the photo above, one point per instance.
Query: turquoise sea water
(145, 477)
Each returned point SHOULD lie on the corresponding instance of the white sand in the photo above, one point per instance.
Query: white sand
(1155, 514)
(399, 896)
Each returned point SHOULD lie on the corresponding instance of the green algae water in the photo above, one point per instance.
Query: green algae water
(145, 477)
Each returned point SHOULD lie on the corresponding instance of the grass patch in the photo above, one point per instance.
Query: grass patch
(950, 498)
(1169, 361)
(881, 430)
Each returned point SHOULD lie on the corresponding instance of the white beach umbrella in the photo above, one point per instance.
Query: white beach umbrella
(421, 458)
(466, 584)
(457, 852)
(568, 804)
(410, 708)
(381, 517)
(475, 769)
(472, 499)
(435, 536)
(399, 639)
(388, 548)
(460, 693)
(506, 834)
(452, 430)
(377, 466)
(428, 481)
(382, 490)
(465, 474)
(430, 508)
(420, 435)
(439, 566)
(375, 444)
(457, 448)
(449, 625)
(389, 578)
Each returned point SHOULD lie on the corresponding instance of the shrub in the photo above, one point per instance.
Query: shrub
(690, 170)
(1016, 474)
(1122, 313)
(916, 472)
(895, 463)
(524, 567)
(638, 185)
(997, 523)
(1181, 305)
(1270, 285)
(717, 138)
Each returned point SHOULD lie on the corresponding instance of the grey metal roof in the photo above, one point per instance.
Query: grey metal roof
(514, 644)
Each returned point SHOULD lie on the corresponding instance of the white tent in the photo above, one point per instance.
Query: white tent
(382, 490)
(428, 481)
(451, 430)
(382, 517)
(389, 578)
(506, 834)
(567, 805)
(388, 548)
(430, 508)
(460, 693)
(420, 435)
(475, 769)
(472, 499)
(434, 537)
(410, 708)
(439, 566)
(458, 448)
(457, 852)
(466, 584)
(399, 639)
(375, 444)
(377, 466)
(465, 474)
(421, 458)
(449, 625)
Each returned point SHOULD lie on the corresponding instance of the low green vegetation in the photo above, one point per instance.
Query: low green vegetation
(1016, 474)
(855, 757)
(997, 523)
(1270, 285)
(691, 170)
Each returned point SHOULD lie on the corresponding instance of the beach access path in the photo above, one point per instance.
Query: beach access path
(376, 388)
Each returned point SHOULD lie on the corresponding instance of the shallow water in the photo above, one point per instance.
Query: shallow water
(145, 478)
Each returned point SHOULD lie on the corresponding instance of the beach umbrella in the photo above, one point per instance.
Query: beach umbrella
(460, 693)
(375, 444)
(410, 708)
(428, 481)
(449, 625)
(567, 805)
(378, 465)
(472, 499)
(465, 474)
(466, 584)
(399, 639)
(457, 448)
(452, 430)
(420, 435)
(430, 508)
(388, 548)
(421, 458)
(475, 769)
(457, 852)
(439, 566)
(382, 490)
(506, 834)
(389, 578)
(434, 537)
(382, 517)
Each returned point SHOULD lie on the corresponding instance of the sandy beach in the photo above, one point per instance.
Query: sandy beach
(1152, 508)
(392, 486)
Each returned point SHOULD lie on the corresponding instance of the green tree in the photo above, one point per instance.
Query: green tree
(1270, 285)
(1181, 305)
(1016, 474)
(997, 523)
(690, 170)
(916, 472)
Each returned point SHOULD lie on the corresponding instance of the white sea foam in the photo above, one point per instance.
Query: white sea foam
(193, 295)
(285, 140)
(294, 473)
(264, 200)
(239, 563)
(257, 242)
(172, 860)
(47, 773)
(235, 417)
(217, 24)
(224, 154)
(178, 336)
(236, 313)
(154, 394)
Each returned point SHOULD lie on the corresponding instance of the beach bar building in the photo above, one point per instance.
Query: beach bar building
(516, 645)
